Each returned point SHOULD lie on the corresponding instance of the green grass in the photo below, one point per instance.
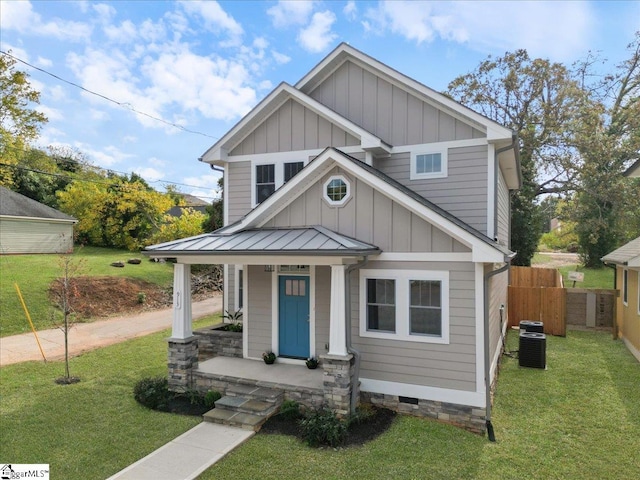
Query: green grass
(593, 277)
(34, 273)
(92, 429)
(578, 419)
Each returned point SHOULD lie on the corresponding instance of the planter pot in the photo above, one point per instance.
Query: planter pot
(269, 361)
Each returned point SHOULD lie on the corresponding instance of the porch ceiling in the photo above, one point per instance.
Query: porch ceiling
(280, 242)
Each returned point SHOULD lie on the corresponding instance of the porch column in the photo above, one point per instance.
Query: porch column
(337, 321)
(181, 302)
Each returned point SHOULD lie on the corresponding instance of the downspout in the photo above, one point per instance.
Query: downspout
(487, 346)
(347, 320)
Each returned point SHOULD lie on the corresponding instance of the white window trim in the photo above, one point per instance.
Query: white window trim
(403, 301)
(278, 165)
(236, 295)
(346, 198)
(443, 151)
(625, 287)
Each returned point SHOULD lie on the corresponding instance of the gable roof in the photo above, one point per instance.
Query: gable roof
(628, 254)
(633, 170)
(282, 93)
(315, 240)
(483, 248)
(344, 52)
(13, 204)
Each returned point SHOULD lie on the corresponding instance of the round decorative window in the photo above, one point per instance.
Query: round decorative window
(336, 190)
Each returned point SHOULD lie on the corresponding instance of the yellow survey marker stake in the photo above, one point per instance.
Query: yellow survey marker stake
(24, 305)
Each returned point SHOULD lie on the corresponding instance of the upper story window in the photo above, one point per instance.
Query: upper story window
(337, 190)
(290, 170)
(265, 182)
(430, 163)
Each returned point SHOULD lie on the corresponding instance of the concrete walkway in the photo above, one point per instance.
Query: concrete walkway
(187, 456)
(88, 336)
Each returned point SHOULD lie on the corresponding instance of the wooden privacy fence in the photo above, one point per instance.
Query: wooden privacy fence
(537, 294)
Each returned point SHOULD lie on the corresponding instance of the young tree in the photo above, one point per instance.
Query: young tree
(19, 123)
(64, 295)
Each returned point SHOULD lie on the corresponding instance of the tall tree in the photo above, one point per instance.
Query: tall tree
(19, 122)
(538, 100)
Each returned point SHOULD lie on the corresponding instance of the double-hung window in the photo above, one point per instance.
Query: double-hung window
(405, 305)
(265, 182)
(291, 169)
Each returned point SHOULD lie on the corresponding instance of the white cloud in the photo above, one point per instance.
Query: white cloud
(559, 30)
(260, 43)
(265, 85)
(57, 92)
(350, 10)
(51, 113)
(148, 173)
(204, 181)
(287, 13)
(43, 62)
(156, 162)
(20, 16)
(280, 58)
(105, 12)
(107, 157)
(98, 114)
(318, 35)
(125, 33)
(215, 18)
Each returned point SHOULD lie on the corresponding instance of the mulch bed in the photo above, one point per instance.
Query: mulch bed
(183, 406)
(357, 434)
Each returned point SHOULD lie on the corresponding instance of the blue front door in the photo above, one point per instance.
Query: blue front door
(294, 316)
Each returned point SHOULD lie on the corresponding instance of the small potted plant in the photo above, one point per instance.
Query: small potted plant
(269, 357)
(312, 363)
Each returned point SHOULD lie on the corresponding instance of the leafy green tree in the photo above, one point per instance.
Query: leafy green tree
(19, 123)
(537, 99)
(215, 211)
(188, 224)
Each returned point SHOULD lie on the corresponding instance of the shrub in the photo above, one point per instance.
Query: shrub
(323, 427)
(290, 409)
(153, 392)
(363, 414)
(211, 398)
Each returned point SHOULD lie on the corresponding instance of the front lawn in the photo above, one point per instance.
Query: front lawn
(34, 274)
(593, 277)
(578, 419)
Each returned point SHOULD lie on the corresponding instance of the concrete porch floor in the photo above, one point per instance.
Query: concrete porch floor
(278, 374)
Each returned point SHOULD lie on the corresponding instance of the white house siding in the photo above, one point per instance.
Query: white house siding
(370, 216)
(293, 127)
(462, 193)
(258, 320)
(386, 110)
(502, 233)
(451, 366)
(35, 236)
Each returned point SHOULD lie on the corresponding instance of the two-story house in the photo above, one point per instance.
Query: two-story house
(366, 224)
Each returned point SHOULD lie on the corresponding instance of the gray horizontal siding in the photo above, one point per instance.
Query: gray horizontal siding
(502, 212)
(370, 216)
(387, 111)
(239, 186)
(498, 295)
(293, 127)
(323, 302)
(462, 193)
(258, 320)
(445, 366)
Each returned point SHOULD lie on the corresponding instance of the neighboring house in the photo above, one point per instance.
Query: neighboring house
(28, 226)
(633, 171)
(627, 262)
(366, 223)
(190, 201)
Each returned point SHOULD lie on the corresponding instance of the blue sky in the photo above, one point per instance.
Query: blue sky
(203, 65)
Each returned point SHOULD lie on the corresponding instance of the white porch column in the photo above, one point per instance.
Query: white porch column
(181, 302)
(337, 321)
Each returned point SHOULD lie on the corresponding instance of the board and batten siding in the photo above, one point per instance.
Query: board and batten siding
(258, 321)
(463, 192)
(386, 110)
(502, 213)
(239, 189)
(370, 216)
(451, 366)
(293, 127)
(25, 236)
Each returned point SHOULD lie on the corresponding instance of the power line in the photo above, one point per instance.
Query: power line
(126, 105)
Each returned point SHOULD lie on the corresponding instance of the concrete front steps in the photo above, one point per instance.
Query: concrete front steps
(245, 406)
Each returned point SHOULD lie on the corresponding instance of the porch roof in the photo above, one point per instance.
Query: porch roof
(308, 241)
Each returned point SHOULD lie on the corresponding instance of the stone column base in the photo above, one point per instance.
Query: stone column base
(183, 357)
(338, 382)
